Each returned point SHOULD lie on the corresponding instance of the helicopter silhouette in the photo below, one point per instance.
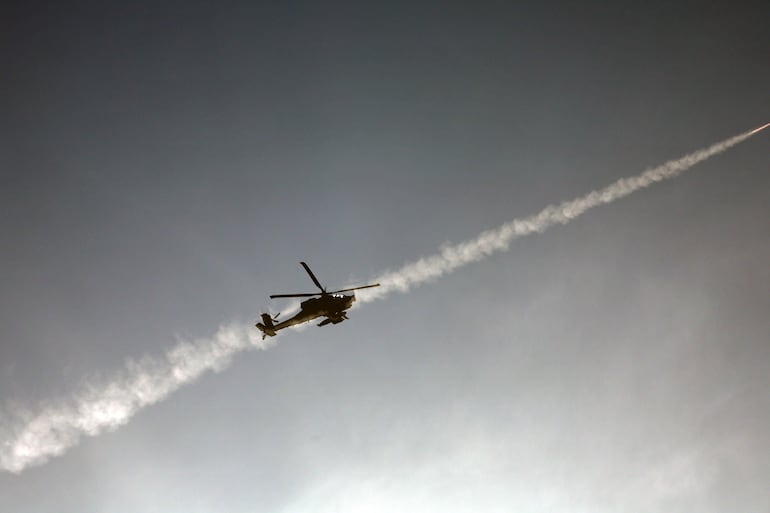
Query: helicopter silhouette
(331, 305)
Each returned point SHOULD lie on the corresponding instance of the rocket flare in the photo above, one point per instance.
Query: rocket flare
(760, 128)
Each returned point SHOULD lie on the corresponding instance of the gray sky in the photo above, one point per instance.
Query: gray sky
(165, 169)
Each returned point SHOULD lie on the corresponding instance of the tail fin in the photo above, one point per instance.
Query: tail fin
(267, 320)
(266, 326)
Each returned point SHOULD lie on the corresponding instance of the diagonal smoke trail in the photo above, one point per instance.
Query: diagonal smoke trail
(31, 439)
(95, 409)
(454, 256)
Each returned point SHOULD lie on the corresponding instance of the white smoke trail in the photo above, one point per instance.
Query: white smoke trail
(33, 438)
(96, 409)
(454, 256)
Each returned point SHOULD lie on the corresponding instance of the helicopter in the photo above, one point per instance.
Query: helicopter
(331, 305)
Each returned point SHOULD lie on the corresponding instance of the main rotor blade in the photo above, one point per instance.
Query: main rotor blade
(356, 288)
(309, 294)
(312, 277)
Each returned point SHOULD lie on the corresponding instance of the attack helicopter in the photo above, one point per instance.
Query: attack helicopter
(331, 305)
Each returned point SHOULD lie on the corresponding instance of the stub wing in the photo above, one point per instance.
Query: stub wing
(335, 318)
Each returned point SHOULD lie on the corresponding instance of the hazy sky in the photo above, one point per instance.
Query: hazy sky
(163, 170)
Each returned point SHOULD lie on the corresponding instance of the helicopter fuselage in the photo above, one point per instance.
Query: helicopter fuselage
(331, 305)
(326, 305)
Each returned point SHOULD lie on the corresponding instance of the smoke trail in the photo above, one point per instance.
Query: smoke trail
(33, 438)
(95, 409)
(454, 256)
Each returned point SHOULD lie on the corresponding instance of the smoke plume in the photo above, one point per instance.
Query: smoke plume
(454, 256)
(31, 438)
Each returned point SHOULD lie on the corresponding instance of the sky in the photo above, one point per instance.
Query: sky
(165, 168)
